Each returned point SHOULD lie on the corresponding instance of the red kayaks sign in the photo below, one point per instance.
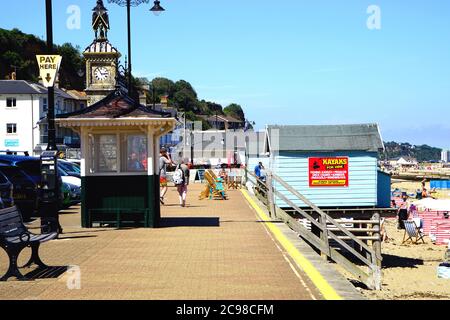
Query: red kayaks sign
(328, 172)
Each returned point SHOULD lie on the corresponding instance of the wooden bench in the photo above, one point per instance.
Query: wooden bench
(119, 211)
(14, 237)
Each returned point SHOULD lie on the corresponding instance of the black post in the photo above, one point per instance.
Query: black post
(153, 95)
(129, 45)
(49, 205)
(51, 145)
(192, 147)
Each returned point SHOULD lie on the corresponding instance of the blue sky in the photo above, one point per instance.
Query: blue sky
(288, 62)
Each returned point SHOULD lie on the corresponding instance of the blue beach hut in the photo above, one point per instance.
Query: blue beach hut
(334, 166)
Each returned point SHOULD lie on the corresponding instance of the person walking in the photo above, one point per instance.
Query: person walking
(164, 160)
(182, 172)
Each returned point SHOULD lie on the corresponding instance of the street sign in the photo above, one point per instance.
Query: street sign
(48, 68)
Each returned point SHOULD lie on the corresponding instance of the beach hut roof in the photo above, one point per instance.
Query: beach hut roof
(352, 137)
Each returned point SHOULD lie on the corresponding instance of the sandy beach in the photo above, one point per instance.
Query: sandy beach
(410, 271)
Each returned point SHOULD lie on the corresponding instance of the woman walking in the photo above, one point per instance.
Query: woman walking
(182, 188)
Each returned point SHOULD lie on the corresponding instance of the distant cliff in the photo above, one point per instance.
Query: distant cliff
(18, 54)
(404, 149)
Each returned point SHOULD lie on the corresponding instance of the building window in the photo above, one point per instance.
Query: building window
(44, 104)
(11, 102)
(11, 128)
(57, 107)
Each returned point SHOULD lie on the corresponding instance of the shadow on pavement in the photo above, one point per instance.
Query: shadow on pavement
(189, 222)
(73, 237)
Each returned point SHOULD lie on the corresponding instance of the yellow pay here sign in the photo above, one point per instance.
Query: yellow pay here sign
(48, 68)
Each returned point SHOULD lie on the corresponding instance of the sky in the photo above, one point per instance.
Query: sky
(286, 62)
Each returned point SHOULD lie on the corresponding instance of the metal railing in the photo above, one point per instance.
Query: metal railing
(363, 262)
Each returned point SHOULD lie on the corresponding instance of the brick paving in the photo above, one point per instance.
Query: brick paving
(208, 250)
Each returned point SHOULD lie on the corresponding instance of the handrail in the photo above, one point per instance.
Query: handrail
(329, 229)
(323, 214)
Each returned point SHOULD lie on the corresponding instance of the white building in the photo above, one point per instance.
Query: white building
(445, 156)
(23, 108)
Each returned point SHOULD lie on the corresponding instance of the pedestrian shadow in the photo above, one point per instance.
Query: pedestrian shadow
(172, 222)
(177, 205)
(46, 273)
(68, 212)
(74, 237)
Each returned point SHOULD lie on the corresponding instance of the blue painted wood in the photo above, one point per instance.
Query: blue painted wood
(440, 184)
(362, 191)
(384, 190)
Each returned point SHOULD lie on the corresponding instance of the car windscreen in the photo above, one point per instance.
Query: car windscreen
(15, 175)
(68, 167)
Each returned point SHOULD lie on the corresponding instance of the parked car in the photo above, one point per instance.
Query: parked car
(70, 168)
(6, 192)
(25, 194)
(71, 184)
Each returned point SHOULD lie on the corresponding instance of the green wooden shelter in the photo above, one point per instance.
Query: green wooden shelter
(119, 164)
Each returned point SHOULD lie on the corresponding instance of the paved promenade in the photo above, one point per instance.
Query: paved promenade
(209, 250)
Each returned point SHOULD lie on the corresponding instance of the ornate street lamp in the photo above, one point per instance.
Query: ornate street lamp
(156, 9)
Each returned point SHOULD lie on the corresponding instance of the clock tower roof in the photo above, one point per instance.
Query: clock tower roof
(101, 47)
(100, 21)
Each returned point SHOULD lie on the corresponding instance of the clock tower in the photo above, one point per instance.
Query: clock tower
(101, 58)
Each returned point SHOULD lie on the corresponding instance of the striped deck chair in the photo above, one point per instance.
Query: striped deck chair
(412, 233)
(216, 190)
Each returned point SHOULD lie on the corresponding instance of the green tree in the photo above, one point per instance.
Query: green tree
(234, 110)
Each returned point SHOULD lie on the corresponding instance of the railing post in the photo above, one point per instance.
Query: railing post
(324, 236)
(246, 176)
(376, 245)
(270, 196)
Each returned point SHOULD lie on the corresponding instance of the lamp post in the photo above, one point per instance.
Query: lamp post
(51, 145)
(156, 9)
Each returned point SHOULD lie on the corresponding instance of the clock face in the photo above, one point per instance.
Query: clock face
(101, 73)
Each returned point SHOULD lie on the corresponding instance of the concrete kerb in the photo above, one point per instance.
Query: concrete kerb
(332, 284)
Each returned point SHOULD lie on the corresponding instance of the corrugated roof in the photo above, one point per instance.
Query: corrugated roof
(352, 137)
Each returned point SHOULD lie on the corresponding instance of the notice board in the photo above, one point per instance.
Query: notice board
(328, 172)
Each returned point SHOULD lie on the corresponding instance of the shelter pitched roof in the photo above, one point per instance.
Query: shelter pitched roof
(353, 137)
(115, 105)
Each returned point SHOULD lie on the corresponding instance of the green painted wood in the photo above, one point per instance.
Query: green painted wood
(120, 200)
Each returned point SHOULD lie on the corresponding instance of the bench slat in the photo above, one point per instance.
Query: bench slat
(4, 218)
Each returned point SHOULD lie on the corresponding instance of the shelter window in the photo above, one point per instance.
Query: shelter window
(103, 153)
(134, 153)
(117, 153)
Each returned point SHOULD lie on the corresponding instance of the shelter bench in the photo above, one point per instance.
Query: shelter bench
(120, 210)
(14, 237)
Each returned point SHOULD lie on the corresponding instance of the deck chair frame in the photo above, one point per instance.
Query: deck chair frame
(412, 233)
